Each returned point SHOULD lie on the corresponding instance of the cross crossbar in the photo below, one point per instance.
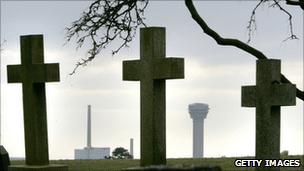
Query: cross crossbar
(39, 73)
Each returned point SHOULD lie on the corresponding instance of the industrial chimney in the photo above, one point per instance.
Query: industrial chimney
(89, 152)
(131, 148)
(89, 128)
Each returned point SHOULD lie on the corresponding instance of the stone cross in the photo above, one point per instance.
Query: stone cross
(4, 159)
(268, 96)
(152, 70)
(33, 74)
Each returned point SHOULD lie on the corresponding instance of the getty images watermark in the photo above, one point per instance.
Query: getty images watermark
(267, 163)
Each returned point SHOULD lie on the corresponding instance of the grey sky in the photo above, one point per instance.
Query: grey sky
(214, 75)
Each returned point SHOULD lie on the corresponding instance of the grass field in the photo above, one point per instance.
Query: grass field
(226, 163)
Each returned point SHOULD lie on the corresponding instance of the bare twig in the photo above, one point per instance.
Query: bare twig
(252, 22)
(231, 42)
(292, 35)
(1, 45)
(104, 22)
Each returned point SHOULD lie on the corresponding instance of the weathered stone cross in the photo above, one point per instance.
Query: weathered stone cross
(267, 96)
(33, 74)
(152, 70)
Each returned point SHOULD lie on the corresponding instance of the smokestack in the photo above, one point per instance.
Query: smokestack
(131, 148)
(89, 127)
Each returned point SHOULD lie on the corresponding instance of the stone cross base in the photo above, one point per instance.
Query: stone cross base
(51, 167)
(170, 168)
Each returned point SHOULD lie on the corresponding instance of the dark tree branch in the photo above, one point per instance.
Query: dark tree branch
(103, 23)
(219, 40)
(296, 3)
(231, 42)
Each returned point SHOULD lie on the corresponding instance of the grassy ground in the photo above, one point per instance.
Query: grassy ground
(227, 164)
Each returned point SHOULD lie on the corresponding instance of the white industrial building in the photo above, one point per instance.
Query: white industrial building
(92, 153)
(198, 113)
(89, 152)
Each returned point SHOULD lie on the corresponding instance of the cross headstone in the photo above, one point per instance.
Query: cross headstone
(4, 159)
(152, 70)
(33, 74)
(268, 96)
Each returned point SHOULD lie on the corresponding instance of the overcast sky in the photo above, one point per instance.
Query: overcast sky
(213, 75)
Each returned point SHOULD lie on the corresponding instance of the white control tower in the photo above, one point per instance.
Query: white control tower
(198, 112)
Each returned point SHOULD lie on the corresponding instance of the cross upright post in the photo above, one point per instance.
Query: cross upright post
(152, 70)
(33, 74)
(268, 96)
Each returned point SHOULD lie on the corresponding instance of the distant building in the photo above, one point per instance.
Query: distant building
(89, 152)
(92, 153)
(198, 113)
